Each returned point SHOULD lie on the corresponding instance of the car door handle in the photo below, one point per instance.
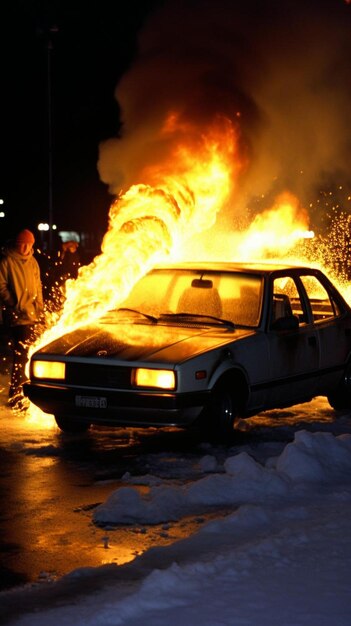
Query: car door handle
(312, 341)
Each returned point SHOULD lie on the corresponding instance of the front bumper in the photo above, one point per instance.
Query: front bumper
(119, 408)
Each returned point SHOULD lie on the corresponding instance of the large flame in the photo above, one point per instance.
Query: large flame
(181, 196)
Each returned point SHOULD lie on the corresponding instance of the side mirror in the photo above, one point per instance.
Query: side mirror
(290, 322)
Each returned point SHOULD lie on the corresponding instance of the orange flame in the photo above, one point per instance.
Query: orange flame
(182, 196)
(276, 231)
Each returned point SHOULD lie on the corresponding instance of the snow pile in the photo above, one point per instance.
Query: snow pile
(310, 457)
(321, 457)
(282, 556)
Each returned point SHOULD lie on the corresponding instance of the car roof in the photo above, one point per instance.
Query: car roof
(223, 266)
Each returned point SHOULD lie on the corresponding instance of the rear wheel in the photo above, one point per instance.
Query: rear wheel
(71, 425)
(340, 400)
(341, 397)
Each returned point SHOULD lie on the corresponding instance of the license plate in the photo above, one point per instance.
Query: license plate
(91, 402)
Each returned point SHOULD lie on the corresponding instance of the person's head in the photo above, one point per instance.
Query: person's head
(70, 246)
(24, 242)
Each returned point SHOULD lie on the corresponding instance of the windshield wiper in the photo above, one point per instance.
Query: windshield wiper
(227, 323)
(151, 318)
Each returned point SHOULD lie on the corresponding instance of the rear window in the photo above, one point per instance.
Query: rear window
(323, 305)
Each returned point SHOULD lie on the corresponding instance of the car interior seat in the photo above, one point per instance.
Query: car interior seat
(247, 309)
(281, 306)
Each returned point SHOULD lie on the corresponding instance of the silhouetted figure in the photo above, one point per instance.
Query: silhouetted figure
(68, 261)
(22, 305)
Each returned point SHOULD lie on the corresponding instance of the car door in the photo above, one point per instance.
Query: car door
(294, 352)
(332, 328)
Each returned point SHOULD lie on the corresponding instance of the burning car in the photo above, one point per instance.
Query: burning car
(201, 344)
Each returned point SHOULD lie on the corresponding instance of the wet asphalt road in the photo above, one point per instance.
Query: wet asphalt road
(50, 482)
(49, 485)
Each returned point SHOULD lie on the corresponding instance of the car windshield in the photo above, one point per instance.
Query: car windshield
(233, 296)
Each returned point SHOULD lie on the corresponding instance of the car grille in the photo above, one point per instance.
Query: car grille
(98, 375)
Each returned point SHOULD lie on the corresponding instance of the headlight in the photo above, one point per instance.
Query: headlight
(49, 369)
(159, 379)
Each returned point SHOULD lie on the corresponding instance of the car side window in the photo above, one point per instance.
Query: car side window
(323, 306)
(286, 300)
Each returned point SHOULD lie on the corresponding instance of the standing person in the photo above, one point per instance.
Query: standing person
(21, 299)
(68, 261)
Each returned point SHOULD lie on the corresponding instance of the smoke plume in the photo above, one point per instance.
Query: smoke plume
(279, 68)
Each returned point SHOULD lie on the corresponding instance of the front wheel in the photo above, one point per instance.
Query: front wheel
(71, 425)
(221, 413)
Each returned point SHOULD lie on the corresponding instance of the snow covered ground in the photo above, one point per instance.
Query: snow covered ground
(279, 551)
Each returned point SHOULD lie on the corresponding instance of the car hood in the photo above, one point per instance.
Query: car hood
(142, 342)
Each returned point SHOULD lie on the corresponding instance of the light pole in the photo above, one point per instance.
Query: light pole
(52, 29)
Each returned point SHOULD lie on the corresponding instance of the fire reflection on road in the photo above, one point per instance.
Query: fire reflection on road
(51, 483)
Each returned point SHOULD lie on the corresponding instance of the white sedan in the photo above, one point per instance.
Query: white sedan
(201, 344)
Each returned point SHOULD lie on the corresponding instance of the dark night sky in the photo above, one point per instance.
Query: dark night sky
(94, 45)
(284, 64)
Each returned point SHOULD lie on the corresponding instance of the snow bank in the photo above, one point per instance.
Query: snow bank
(311, 457)
(282, 556)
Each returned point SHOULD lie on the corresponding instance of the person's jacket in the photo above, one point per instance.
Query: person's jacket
(21, 296)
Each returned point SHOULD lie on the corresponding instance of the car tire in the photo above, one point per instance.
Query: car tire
(221, 413)
(341, 398)
(71, 425)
